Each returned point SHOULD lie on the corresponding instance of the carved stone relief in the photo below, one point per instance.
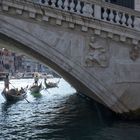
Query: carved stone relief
(97, 52)
(134, 53)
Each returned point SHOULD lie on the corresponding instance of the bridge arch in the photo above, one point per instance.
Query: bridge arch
(14, 36)
(60, 49)
(97, 54)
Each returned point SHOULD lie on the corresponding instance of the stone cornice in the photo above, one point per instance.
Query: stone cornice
(47, 13)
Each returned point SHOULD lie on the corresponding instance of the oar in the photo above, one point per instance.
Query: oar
(12, 85)
(26, 100)
(26, 88)
(47, 91)
(15, 89)
(46, 88)
(58, 83)
(58, 80)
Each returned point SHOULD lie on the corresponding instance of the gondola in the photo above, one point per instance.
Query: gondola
(36, 88)
(14, 95)
(51, 84)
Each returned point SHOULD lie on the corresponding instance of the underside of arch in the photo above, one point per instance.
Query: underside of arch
(14, 45)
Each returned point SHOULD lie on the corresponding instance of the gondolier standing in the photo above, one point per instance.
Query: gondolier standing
(36, 79)
(6, 82)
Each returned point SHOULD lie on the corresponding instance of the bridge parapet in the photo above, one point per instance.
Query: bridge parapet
(93, 9)
(96, 15)
(97, 10)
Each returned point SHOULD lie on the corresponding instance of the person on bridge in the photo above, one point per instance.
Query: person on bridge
(6, 82)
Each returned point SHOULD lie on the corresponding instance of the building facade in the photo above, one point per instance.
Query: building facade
(7, 61)
(12, 62)
(133, 4)
(125, 3)
(137, 5)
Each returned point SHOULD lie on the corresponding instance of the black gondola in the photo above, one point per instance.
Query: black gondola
(51, 84)
(14, 95)
(36, 88)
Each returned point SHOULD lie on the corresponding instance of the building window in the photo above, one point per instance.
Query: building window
(125, 3)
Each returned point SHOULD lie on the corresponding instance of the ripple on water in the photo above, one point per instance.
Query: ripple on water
(59, 115)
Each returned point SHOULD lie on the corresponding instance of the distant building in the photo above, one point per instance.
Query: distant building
(137, 5)
(29, 64)
(133, 4)
(6, 61)
(16, 62)
(125, 3)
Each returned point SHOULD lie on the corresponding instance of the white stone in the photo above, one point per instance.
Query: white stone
(45, 18)
(58, 22)
(19, 11)
(109, 67)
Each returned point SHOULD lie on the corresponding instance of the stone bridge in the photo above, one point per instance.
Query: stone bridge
(93, 44)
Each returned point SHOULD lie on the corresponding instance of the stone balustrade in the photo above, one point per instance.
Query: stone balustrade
(97, 10)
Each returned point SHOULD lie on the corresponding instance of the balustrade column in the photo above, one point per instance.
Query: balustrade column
(137, 20)
(97, 11)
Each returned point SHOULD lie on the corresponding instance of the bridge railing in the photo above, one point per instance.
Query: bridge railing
(95, 9)
(98, 10)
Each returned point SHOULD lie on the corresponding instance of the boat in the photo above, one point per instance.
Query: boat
(49, 76)
(36, 88)
(14, 95)
(27, 75)
(51, 84)
(18, 75)
(36, 94)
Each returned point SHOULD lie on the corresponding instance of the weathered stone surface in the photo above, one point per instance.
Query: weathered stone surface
(97, 53)
(99, 59)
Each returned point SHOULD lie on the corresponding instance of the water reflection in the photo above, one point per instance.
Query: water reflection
(36, 95)
(6, 105)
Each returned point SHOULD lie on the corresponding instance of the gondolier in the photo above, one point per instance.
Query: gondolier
(36, 88)
(13, 94)
(6, 82)
(36, 79)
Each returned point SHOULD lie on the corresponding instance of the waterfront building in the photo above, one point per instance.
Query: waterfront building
(6, 61)
(133, 4)
(32, 65)
(137, 5)
(12, 62)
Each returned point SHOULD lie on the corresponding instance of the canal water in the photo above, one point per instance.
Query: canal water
(60, 114)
